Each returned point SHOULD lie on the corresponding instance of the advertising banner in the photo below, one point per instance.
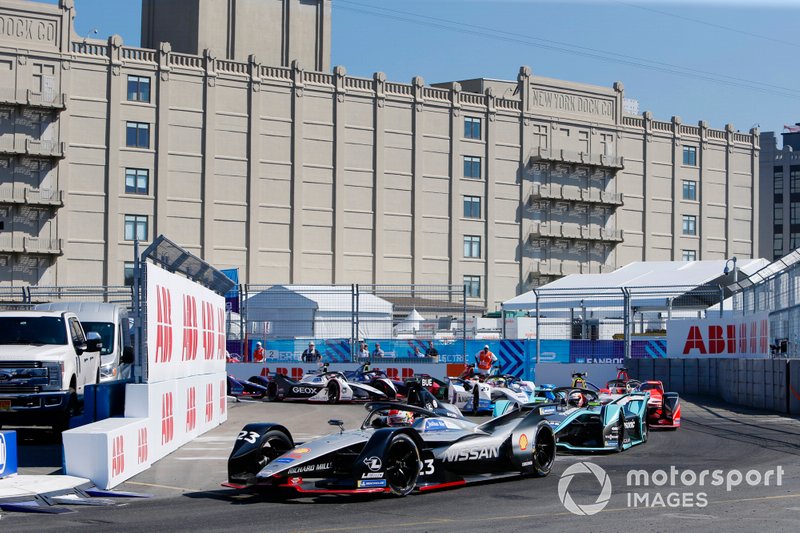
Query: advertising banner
(185, 327)
(740, 336)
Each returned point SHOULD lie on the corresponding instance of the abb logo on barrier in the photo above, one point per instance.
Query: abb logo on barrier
(163, 325)
(189, 328)
(730, 339)
(208, 330)
(191, 408)
(167, 419)
(209, 402)
(221, 333)
(117, 456)
(141, 451)
(399, 373)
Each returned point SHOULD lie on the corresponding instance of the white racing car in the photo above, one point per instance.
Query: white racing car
(476, 393)
(322, 386)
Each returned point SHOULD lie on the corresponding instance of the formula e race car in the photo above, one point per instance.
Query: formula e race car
(397, 449)
(322, 386)
(664, 408)
(392, 388)
(476, 393)
(583, 423)
(239, 388)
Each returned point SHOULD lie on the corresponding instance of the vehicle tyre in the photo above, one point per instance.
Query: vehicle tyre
(645, 431)
(62, 422)
(274, 444)
(544, 450)
(402, 464)
(334, 391)
(621, 433)
(476, 398)
(272, 392)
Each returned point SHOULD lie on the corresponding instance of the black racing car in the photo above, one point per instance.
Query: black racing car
(397, 449)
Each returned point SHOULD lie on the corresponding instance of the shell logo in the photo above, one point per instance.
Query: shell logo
(523, 442)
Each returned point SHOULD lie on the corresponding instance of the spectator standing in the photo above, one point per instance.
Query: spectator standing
(311, 354)
(431, 351)
(377, 352)
(363, 351)
(485, 360)
(259, 354)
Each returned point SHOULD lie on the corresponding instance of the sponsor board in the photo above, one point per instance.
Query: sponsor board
(732, 337)
(8, 453)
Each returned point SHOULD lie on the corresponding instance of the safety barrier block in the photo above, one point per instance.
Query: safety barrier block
(8, 453)
(109, 451)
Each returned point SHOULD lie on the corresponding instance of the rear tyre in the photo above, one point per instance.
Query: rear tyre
(544, 450)
(645, 432)
(334, 391)
(476, 398)
(621, 433)
(402, 465)
(272, 392)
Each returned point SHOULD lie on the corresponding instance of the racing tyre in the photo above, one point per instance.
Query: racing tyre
(402, 465)
(544, 450)
(272, 392)
(274, 444)
(476, 398)
(334, 391)
(645, 431)
(621, 433)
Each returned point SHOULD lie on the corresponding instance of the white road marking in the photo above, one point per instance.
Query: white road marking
(220, 458)
(192, 449)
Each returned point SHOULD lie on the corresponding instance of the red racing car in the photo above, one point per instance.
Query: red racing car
(663, 408)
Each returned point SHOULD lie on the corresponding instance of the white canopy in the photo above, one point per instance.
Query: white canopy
(604, 290)
(410, 323)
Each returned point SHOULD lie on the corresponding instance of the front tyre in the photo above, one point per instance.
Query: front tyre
(402, 465)
(334, 391)
(544, 450)
(621, 433)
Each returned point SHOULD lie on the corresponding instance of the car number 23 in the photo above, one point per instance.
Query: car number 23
(427, 467)
(248, 436)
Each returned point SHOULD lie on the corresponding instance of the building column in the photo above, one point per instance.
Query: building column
(378, 179)
(417, 125)
(456, 126)
(677, 189)
(209, 151)
(491, 195)
(62, 169)
(254, 193)
(297, 173)
(525, 141)
(647, 123)
(702, 253)
(756, 195)
(161, 170)
(339, 192)
(729, 191)
(113, 129)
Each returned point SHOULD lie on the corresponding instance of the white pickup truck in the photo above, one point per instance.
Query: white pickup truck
(46, 361)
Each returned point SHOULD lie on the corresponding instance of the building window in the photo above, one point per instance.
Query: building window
(690, 156)
(777, 180)
(689, 190)
(137, 135)
(135, 227)
(794, 213)
(794, 241)
(690, 255)
(472, 285)
(127, 274)
(778, 215)
(794, 178)
(472, 246)
(137, 180)
(689, 225)
(777, 246)
(138, 89)
(472, 207)
(472, 167)
(472, 128)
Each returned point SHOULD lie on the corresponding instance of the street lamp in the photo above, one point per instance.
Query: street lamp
(727, 270)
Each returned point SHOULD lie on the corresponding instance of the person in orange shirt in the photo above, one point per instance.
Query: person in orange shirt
(484, 361)
(259, 354)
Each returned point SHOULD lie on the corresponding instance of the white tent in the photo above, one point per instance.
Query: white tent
(410, 323)
(321, 312)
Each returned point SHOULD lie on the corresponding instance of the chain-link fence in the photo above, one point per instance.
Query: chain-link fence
(352, 322)
(15, 298)
(775, 289)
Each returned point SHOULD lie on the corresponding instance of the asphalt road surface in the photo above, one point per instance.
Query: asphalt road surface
(187, 495)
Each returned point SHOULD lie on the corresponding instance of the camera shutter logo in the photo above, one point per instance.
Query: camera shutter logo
(566, 498)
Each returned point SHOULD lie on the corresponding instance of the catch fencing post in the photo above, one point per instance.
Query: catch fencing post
(538, 329)
(626, 298)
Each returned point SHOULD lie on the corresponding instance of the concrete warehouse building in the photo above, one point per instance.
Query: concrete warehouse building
(255, 155)
(779, 179)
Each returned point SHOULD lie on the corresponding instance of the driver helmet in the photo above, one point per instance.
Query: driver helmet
(395, 418)
(575, 399)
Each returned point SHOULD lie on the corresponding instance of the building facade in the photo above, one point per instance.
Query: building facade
(779, 179)
(302, 176)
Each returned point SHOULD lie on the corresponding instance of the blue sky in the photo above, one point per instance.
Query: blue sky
(717, 60)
